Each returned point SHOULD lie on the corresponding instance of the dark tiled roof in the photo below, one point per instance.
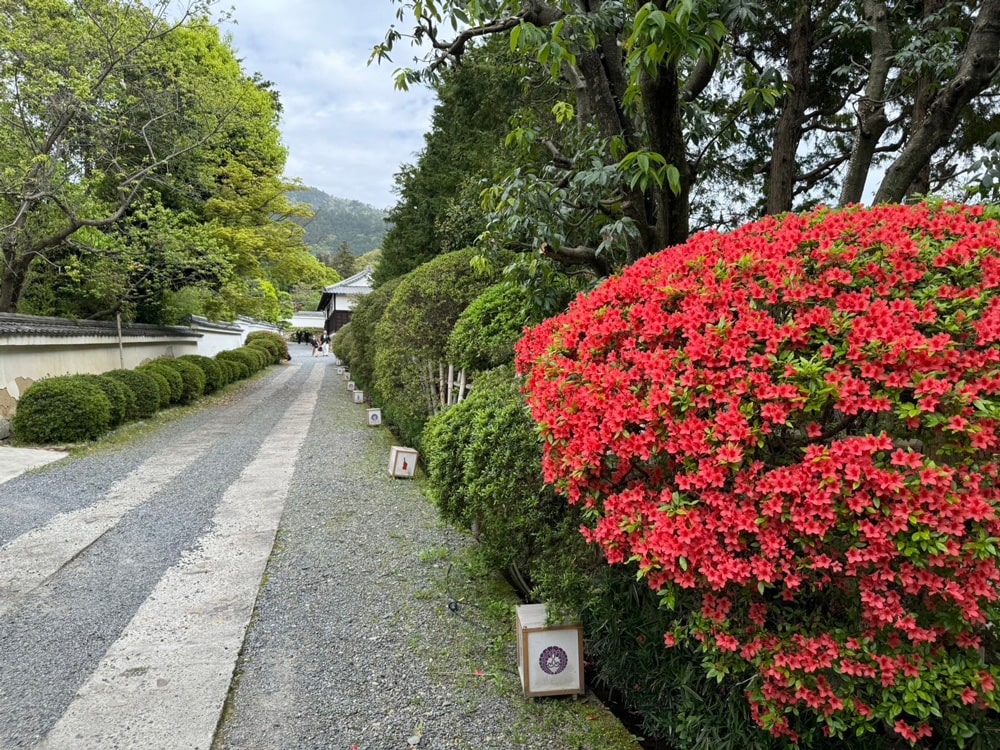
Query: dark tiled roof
(214, 325)
(12, 324)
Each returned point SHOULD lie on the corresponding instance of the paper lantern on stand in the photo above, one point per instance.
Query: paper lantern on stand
(549, 657)
(402, 461)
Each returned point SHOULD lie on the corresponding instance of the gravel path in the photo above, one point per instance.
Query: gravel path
(350, 645)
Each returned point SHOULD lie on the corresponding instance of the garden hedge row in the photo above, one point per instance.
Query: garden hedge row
(77, 408)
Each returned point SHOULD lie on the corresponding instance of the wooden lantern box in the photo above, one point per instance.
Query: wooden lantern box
(549, 657)
(351, 386)
(359, 397)
(374, 417)
(402, 461)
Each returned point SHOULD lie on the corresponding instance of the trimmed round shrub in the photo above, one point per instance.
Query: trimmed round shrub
(239, 361)
(175, 383)
(166, 392)
(118, 396)
(145, 389)
(272, 352)
(232, 371)
(342, 346)
(261, 357)
(63, 409)
(274, 341)
(792, 431)
(247, 362)
(192, 376)
(214, 377)
(412, 336)
(487, 330)
(360, 343)
(485, 464)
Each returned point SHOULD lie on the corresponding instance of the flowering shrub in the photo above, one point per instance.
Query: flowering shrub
(792, 431)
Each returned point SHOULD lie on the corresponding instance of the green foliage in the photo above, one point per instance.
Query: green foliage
(364, 322)
(487, 330)
(248, 361)
(411, 337)
(343, 347)
(64, 409)
(484, 460)
(192, 376)
(273, 343)
(175, 383)
(438, 208)
(118, 396)
(338, 221)
(214, 376)
(231, 370)
(666, 688)
(164, 384)
(145, 390)
(144, 170)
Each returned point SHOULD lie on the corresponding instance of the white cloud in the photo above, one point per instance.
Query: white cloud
(347, 130)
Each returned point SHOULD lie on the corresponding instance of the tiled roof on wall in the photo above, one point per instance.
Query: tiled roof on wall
(12, 324)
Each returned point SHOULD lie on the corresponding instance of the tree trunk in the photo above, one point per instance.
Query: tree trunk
(667, 214)
(976, 73)
(872, 120)
(788, 133)
(13, 276)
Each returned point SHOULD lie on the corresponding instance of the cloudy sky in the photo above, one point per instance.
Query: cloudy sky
(347, 130)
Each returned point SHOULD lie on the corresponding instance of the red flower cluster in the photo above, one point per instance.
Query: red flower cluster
(799, 422)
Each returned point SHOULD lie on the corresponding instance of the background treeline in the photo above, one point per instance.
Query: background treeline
(140, 169)
(576, 137)
(336, 221)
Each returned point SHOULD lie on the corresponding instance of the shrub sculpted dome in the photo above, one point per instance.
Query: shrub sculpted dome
(792, 431)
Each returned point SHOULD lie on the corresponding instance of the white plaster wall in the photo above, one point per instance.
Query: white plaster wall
(25, 359)
(213, 342)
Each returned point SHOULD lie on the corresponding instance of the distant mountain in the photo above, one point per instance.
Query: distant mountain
(339, 220)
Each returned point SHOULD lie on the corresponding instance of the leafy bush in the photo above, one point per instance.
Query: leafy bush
(214, 377)
(192, 377)
(145, 390)
(792, 431)
(487, 330)
(162, 384)
(275, 343)
(118, 396)
(364, 320)
(342, 346)
(231, 370)
(484, 461)
(271, 353)
(248, 362)
(258, 356)
(174, 381)
(63, 409)
(412, 336)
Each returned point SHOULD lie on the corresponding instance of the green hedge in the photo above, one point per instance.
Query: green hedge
(192, 379)
(231, 370)
(249, 361)
(487, 330)
(118, 395)
(274, 341)
(412, 336)
(63, 409)
(173, 378)
(145, 389)
(215, 378)
(163, 383)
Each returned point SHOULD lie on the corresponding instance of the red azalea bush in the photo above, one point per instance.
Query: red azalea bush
(792, 430)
